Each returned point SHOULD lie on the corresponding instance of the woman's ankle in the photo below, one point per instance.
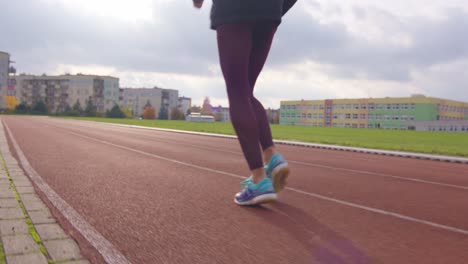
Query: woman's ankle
(258, 175)
(268, 153)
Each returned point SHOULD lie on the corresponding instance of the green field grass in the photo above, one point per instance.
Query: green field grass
(443, 143)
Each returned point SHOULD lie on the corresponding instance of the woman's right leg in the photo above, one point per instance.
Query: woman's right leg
(262, 39)
(277, 167)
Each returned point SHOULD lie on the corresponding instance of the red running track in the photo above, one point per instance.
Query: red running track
(161, 197)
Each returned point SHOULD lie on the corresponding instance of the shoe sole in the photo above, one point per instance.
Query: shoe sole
(261, 199)
(279, 176)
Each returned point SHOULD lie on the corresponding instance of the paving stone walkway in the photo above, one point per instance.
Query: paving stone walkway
(29, 234)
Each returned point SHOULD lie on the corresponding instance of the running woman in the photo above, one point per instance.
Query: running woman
(245, 31)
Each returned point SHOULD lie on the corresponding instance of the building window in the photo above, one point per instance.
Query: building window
(309, 115)
(315, 116)
(395, 117)
(347, 125)
(356, 106)
(321, 107)
(320, 116)
(379, 106)
(363, 106)
(362, 126)
(412, 106)
(388, 106)
(411, 117)
(396, 106)
(378, 117)
(370, 126)
(355, 116)
(362, 116)
(371, 106)
(304, 115)
(354, 126)
(348, 106)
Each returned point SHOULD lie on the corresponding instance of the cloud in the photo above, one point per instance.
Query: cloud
(323, 49)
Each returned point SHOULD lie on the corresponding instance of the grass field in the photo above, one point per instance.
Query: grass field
(443, 143)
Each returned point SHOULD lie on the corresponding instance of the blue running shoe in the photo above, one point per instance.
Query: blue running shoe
(249, 179)
(278, 170)
(252, 194)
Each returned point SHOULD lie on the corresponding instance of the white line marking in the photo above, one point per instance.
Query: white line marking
(318, 196)
(101, 244)
(311, 145)
(381, 175)
(344, 169)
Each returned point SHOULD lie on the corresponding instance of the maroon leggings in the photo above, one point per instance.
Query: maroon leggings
(243, 50)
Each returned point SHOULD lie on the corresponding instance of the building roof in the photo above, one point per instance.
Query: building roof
(65, 76)
(414, 97)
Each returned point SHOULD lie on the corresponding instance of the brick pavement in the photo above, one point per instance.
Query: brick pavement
(28, 231)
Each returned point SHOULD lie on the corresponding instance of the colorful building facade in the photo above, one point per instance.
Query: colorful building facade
(386, 113)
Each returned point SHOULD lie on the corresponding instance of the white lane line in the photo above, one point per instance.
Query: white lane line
(339, 168)
(381, 175)
(392, 153)
(350, 170)
(318, 196)
(102, 245)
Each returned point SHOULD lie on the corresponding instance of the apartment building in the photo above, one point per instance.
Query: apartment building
(385, 113)
(63, 91)
(184, 104)
(4, 69)
(136, 99)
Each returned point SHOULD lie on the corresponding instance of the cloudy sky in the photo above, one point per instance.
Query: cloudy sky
(323, 49)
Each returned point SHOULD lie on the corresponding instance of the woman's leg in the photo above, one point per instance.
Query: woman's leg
(235, 47)
(261, 43)
(277, 167)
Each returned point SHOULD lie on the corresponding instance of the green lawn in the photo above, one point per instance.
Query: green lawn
(444, 143)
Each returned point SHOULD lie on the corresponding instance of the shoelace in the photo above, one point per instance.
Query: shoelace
(245, 183)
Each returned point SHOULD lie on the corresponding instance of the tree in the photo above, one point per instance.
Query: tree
(148, 103)
(91, 109)
(149, 113)
(177, 114)
(115, 112)
(218, 117)
(127, 112)
(22, 108)
(163, 113)
(276, 118)
(77, 110)
(207, 108)
(40, 108)
(194, 109)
